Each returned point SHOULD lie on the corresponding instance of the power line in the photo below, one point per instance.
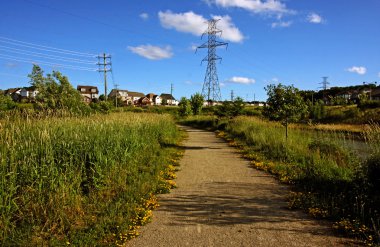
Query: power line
(44, 48)
(42, 55)
(211, 89)
(45, 63)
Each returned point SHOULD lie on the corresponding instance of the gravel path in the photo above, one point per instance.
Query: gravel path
(221, 201)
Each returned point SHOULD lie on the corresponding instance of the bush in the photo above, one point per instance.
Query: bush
(369, 104)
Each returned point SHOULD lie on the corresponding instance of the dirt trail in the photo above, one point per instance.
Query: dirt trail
(221, 201)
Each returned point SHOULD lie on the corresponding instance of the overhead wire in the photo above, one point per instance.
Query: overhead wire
(44, 48)
(26, 60)
(42, 55)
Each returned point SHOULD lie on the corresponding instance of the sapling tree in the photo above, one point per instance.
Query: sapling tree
(55, 90)
(284, 104)
(184, 107)
(196, 102)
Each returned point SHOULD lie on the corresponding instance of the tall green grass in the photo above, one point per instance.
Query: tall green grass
(79, 180)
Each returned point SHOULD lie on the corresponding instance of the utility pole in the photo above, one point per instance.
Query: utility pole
(104, 64)
(171, 89)
(211, 89)
(232, 95)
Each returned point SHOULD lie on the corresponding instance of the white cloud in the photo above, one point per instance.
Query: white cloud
(152, 52)
(282, 24)
(193, 47)
(144, 16)
(241, 80)
(189, 22)
(358, 69)
(315, 18)
(274, 80)
(12, 65)
(229, 31)
(255, 6)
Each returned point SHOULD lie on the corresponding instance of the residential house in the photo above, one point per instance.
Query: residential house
(143, 101)
(29, 93)
(89, 93)
(154, 99)
(133, 97)
(375, 94)
(14, 93)
(121, 94)
(168, 99)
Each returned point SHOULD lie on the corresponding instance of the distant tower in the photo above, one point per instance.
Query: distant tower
(325, 83)
(211, 89)
(232, 95)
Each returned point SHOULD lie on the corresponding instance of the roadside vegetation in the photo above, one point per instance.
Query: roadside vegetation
(330, 179)
(78, 174)
(83, 181)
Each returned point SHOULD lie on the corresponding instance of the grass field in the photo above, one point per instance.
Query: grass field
(82, 181)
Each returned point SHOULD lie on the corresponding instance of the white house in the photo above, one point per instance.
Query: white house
(169, 99)
(154, 99)
(29, 92)
(89, 93)
(122, 94)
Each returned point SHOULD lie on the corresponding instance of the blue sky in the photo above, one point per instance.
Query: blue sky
(151, 43)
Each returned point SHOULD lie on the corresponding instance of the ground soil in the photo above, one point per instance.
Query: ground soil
(222, 201)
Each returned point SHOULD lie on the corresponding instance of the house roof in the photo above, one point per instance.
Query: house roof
(167, 96)
(118, 91)
(11, 90)
(30, 89)
(87, 89)
(142, 99)
(135, 94)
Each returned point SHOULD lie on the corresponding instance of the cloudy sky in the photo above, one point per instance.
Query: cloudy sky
(152, 43)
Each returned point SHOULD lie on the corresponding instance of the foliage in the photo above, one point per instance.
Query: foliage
(6, 103)
(184, 107)
(55, 90)
(196, 102)
(82, 181)
(230, 109)
(369, 104)
(284, 104)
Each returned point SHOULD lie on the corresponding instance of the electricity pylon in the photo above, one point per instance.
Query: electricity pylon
(211, 89)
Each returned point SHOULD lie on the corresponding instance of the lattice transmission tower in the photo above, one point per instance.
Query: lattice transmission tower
(211, 89)
(325, 83)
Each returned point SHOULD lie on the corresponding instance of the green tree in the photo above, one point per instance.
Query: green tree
(196, 102)
(184, 107)
(55, 90)
(284, 104)
(6, 102)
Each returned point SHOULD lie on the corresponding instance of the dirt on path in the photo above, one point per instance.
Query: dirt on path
(222, 201)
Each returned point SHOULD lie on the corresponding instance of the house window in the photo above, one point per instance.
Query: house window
(93, 90)
(83, 90)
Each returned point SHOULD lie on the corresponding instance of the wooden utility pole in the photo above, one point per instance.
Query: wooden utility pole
(105, 66)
